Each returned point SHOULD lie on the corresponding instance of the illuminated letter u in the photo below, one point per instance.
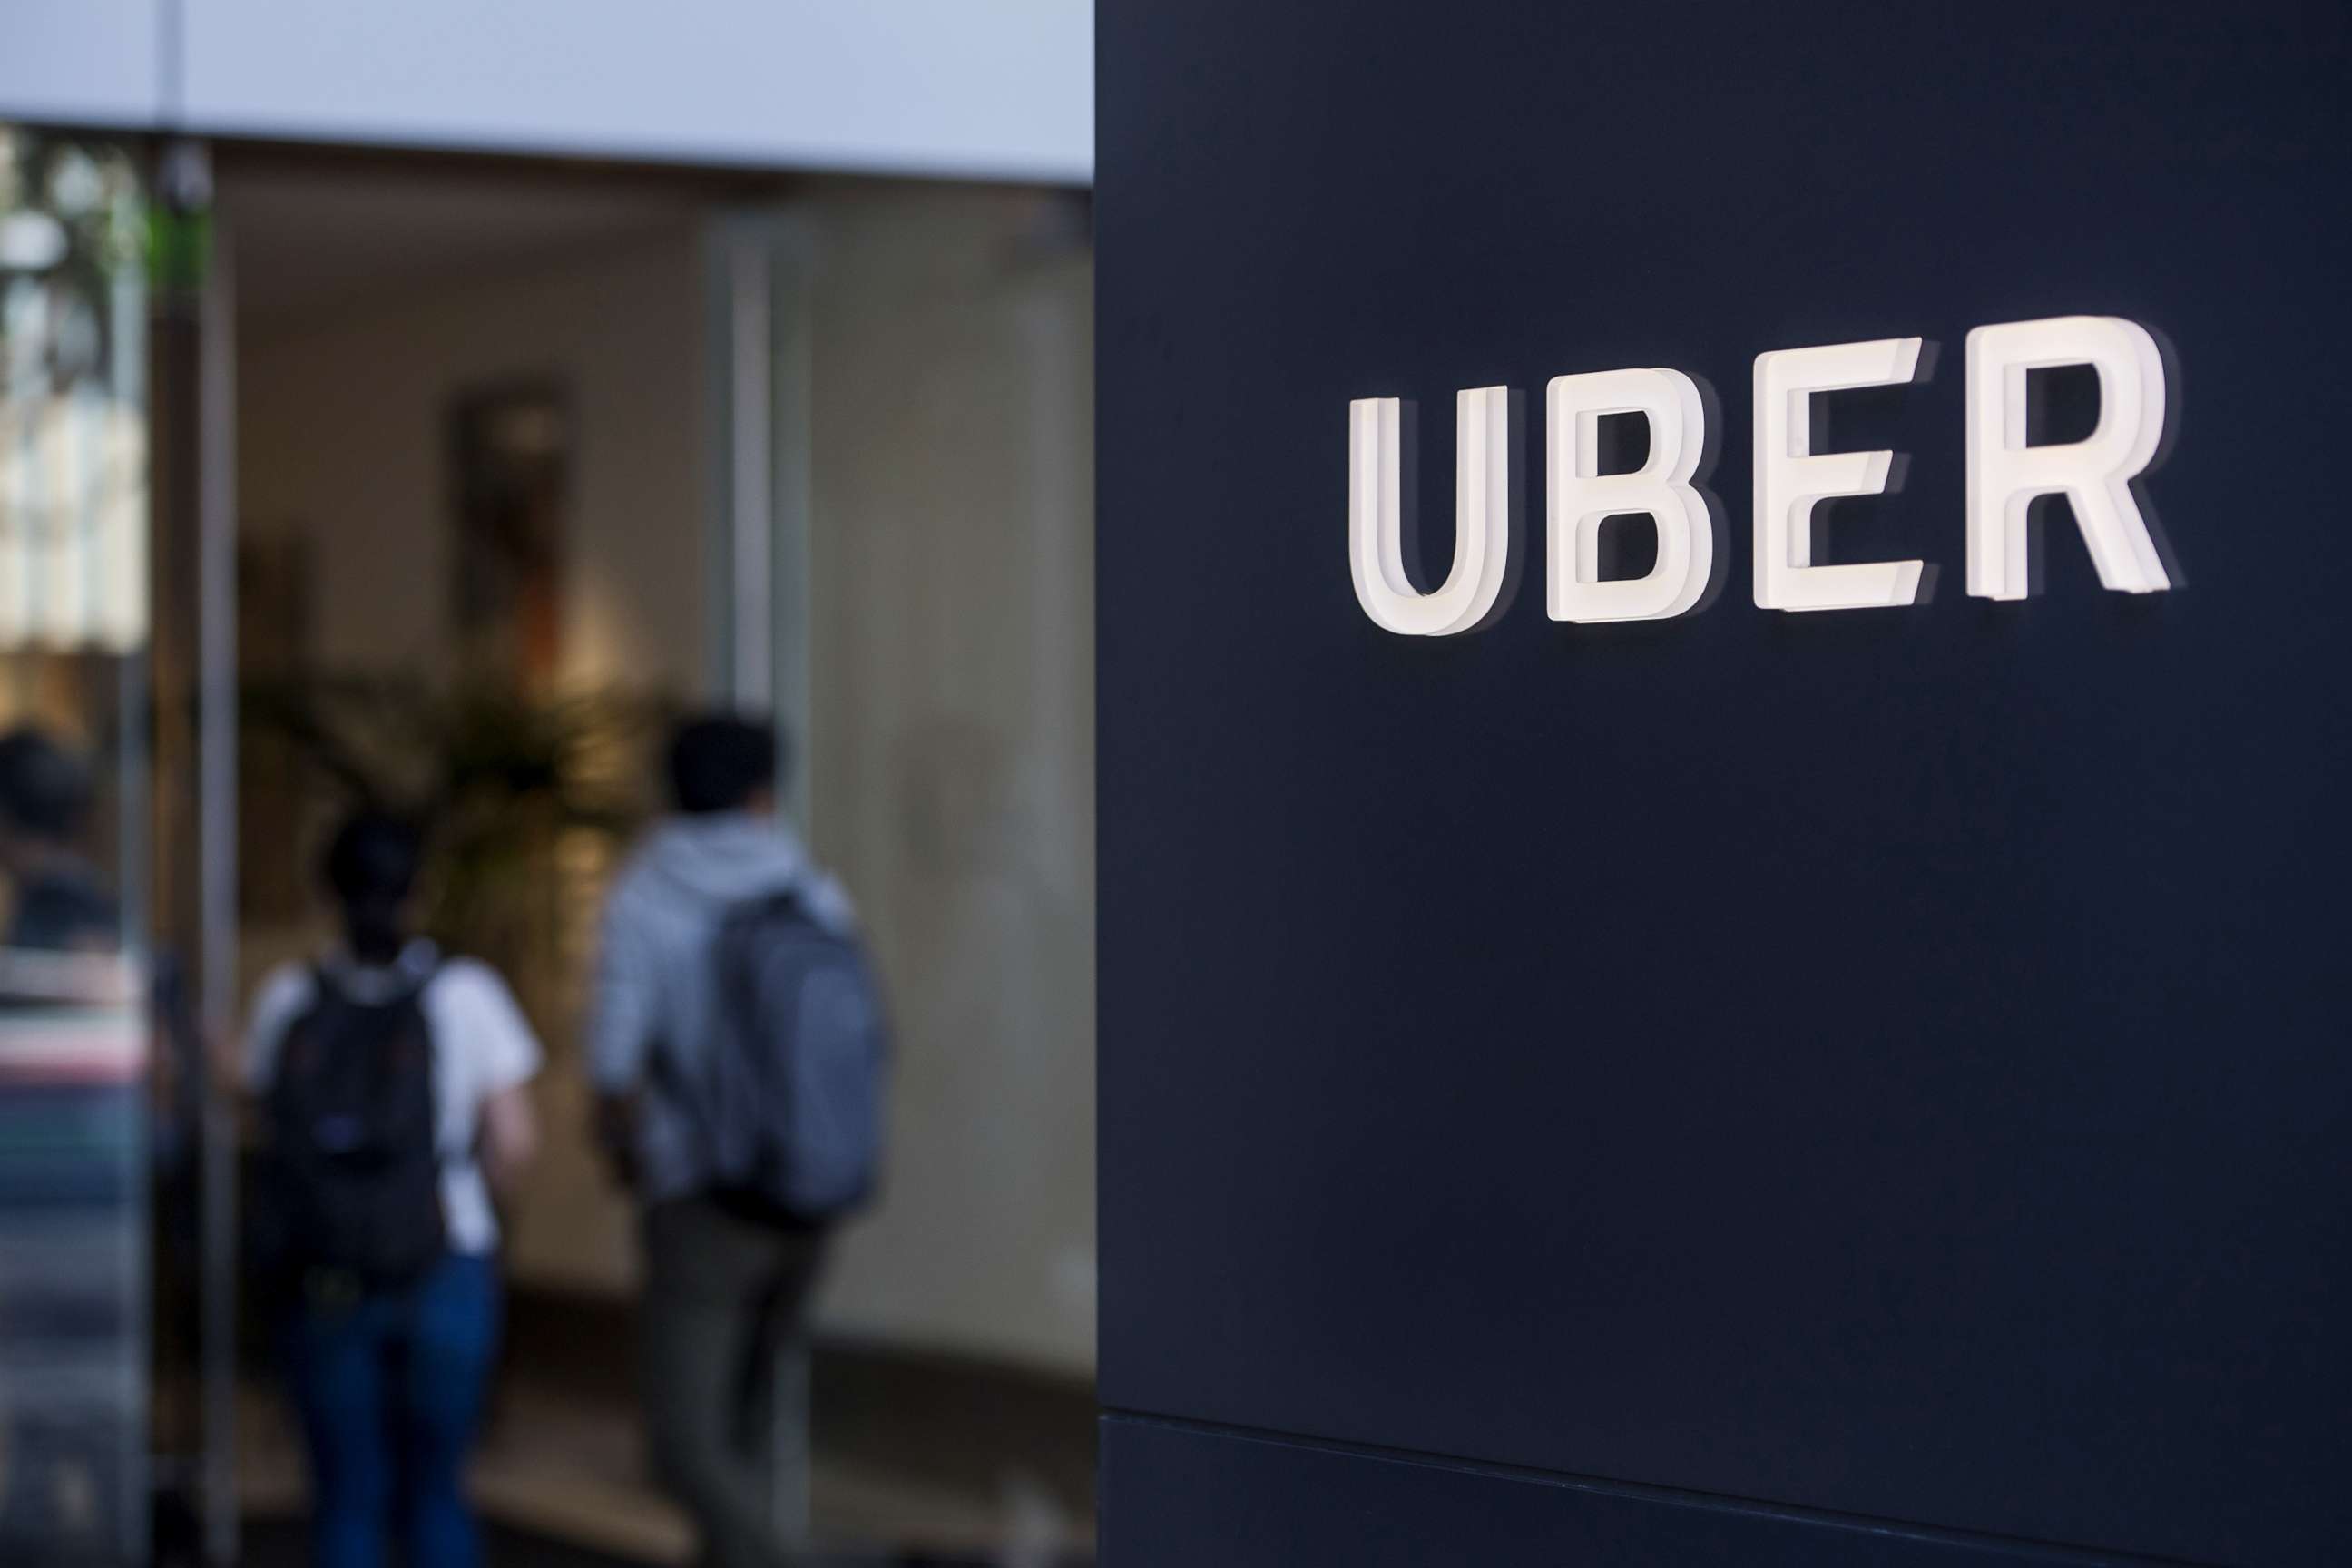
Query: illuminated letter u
(1482, 515)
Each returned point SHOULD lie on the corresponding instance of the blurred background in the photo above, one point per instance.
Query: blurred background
(433, 402)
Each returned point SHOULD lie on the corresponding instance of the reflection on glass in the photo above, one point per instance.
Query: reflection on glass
(75, 1129)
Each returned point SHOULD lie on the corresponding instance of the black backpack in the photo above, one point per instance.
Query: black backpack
(355, 1163)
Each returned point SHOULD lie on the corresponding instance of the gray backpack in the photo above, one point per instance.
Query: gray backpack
(792, 1094)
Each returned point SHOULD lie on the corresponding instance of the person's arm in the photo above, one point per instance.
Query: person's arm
(509, 1136)
(615, 1129)
(621, 1029)
(247, 1064)
(506, 1056)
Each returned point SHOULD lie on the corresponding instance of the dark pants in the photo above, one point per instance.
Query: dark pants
(390, 1383)
(726, 1298)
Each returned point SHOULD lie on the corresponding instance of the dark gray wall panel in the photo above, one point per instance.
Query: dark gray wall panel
(1886, 1062)
(1187, 1499)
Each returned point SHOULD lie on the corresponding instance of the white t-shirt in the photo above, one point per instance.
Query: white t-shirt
(481, 1046)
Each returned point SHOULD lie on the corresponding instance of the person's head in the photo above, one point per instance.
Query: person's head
(45, 797)
(370, 868)
(719, 762)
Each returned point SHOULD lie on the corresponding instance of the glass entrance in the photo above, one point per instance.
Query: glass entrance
(86, 1099)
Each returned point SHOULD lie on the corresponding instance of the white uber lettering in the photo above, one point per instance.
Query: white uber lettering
(1578, 497)
(2005, 476)
(1791, 479)
(1482, 542)
(2095, 474)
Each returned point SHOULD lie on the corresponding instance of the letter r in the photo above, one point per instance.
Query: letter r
(2095, 474)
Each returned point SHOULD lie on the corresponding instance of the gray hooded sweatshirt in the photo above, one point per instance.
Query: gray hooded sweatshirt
(653, 1010)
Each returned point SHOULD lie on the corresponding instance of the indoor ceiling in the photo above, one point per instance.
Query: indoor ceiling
(311, 236)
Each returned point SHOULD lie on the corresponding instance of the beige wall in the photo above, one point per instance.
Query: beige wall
(344, 431)
(951, 652)
(952, 755)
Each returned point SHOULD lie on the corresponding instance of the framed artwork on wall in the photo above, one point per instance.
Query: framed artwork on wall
(511, 460)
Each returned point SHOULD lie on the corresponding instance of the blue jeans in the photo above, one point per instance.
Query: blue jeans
(390, 1386)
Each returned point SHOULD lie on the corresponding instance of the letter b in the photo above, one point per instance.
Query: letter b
(1579, 498)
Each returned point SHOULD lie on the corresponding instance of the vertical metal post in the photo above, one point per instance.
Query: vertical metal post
(789, 1442)
(751, 468)
(194, 902)
(759, 457)
(759, 551)
(216, 737)
(789, 607)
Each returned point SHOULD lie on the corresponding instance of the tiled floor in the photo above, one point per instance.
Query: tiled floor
(561, 1472)
(280, 1543)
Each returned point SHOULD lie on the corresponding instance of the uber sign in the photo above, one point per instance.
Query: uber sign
(2004, 477)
